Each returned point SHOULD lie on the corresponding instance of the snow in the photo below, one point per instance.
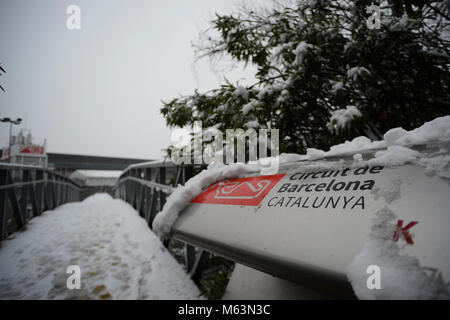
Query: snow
(358, 158)
(356, 145)
(270, 89)
(312, 3)
(96, 177)
(336, 86)
(341, 119)
(182, 196)
(301, 49)
(435, 130)
(222, 107)
(292, 157)
(119, 256)
(249, 106)
(241, 92)
(97, 173)
(354, 72)
(402, 276)
(394, 156)
(391, 136)
(436, 166)
(282, 48)
(252, 124)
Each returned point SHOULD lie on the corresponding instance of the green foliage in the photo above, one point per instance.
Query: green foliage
(315, 59)
(215, 277)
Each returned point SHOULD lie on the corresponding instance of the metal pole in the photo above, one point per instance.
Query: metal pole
(11, 122)
(10, 134)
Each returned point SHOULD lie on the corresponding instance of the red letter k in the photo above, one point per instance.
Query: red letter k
(404, 231)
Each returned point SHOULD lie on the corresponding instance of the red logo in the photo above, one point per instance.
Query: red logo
(243, 191)
(33, 149)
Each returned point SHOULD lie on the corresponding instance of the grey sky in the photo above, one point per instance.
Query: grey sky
(97, 90)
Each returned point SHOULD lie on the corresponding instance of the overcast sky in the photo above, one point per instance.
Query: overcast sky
(97, 90)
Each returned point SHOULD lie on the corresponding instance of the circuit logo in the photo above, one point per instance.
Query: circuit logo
(248, 191)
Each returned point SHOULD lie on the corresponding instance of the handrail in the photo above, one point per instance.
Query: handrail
(151, 164)
(145, 186)
(14, 166)
(27, 191)
(158, 186)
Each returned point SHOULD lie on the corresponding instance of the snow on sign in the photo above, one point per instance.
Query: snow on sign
(248, 191)
(335, 213)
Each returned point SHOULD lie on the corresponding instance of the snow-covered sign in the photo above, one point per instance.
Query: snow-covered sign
(96, 178)
(333, 215)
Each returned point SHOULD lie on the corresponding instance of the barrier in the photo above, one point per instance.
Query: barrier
(307, 223)
(27, 191)
(145, 187)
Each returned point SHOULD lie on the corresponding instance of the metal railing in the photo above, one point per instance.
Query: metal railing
(27, 191)
(146, 186)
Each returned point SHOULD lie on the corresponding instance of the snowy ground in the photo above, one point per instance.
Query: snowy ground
(118, 255)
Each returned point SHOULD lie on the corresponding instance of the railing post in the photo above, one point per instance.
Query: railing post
(33, 197)
(24, 197)
(40, 190)
(152, 206)
(135, 190)
(58, 191)
(44, 192)
(128, 187)
(131, 188)
(53, 184)
(162, 180)
(147, 194)
(69, 193)
(18, 215)
(188, 172)
(65, 191)
(30, 191)
(141, 194)
(140, 200)
(3, 205)
(47, 192)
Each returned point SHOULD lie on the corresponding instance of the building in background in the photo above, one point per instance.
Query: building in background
(66, 164)
(23, 151)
